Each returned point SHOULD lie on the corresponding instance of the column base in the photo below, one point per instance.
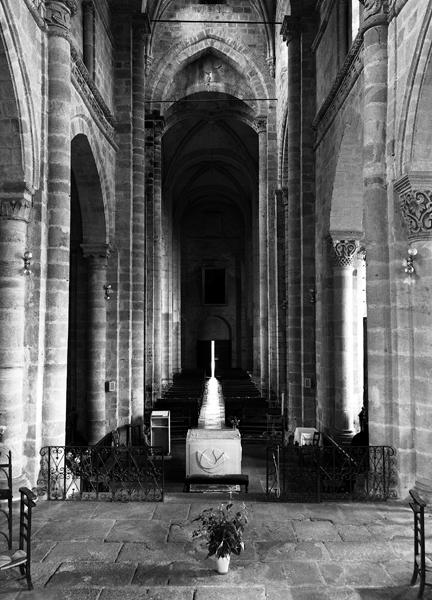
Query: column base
(424, 488)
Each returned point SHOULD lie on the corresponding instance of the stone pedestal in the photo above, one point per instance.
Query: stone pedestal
(213, 452)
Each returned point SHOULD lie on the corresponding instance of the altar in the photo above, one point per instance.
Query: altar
(213, 452)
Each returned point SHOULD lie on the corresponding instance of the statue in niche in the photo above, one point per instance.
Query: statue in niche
(211, 74)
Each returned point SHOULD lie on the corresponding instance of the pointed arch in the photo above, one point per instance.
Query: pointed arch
(235, 54)
(21, 118)
(88, 167)
(414, 87)
(346, 214)
(260, 7)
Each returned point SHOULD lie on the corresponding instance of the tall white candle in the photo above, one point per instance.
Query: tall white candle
(212, 363)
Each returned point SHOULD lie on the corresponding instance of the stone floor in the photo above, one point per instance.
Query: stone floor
(136, 551)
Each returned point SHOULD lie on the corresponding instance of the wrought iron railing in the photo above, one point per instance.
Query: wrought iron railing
(331, 473)
(133, 473)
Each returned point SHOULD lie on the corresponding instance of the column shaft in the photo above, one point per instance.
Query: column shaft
(59, 164)
(422, 332)
(263, 254)
(293, 226)
(138, 226)
(96, 340)
(415, 190)
(376, 222)
(343, 321)
(14, 215)
(157, 260)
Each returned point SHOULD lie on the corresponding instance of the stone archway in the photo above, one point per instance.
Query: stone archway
(89, 251)
(210, 198)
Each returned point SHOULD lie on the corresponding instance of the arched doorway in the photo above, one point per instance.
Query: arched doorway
(85, 408)
(214, 329)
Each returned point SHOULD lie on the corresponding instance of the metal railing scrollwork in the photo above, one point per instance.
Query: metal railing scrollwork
(115, 473)
(362, 473)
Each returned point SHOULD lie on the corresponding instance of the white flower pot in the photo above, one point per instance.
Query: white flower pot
(222, 564)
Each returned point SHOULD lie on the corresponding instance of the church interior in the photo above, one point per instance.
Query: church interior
(243, 183)
(216, 262)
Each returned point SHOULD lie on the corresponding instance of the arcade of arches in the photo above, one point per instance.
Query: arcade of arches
(254, 172)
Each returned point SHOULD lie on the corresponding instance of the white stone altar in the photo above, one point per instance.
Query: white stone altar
(213, 452)
(304, 435)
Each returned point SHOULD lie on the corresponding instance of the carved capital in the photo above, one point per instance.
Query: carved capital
(344, 252)
(260, 125)
(375, 13)
(415, 201)
(58, 15)
(291, 28)
(16, 207)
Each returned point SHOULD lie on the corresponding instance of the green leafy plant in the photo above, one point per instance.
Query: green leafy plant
(223, 528)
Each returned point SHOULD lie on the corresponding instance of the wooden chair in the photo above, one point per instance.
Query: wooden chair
(422, 560)
(21, 558)
(6, 492)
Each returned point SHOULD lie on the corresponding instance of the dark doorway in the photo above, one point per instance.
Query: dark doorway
(222, 356)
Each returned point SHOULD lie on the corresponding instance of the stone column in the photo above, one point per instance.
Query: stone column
(88, 9)
(376, 219)
(58, 15)
(158, 256)
(153, 206)
(261, 129)
(15, 210)
(343, 325)
(166, 308)
(415, 192)
(96, 256)
(140, 29)
(291, 30)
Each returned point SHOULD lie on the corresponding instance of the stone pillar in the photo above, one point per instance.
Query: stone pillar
(283, 276)
(166, 308)
(15, 210)
(88, 9)
(153, 206)
(158, 256)
(290, 31)
(140, 29)
(376, 220)
(96, 256)
(58, 15)
(415, 192)
(343, 325)
(261, 129)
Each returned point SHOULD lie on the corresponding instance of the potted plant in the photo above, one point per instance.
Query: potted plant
(223, 528)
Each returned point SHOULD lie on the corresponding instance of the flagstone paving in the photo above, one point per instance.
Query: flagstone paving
(137, 551)
(145, 551)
